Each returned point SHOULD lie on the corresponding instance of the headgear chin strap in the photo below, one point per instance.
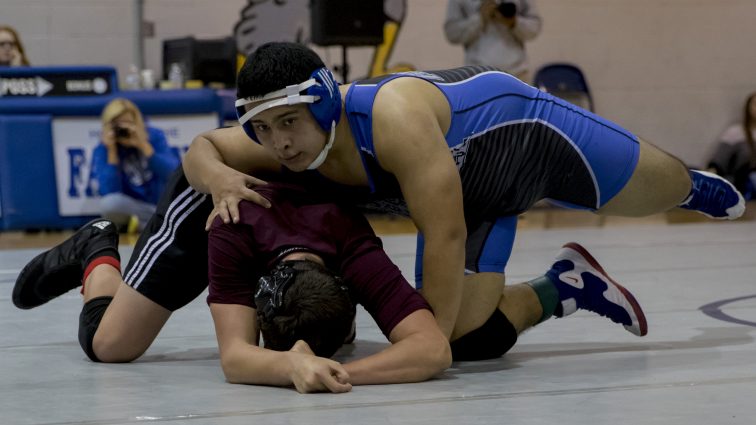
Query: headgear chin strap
(321, 92)
(320, 159)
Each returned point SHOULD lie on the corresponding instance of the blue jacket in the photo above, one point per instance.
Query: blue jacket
(136, 176)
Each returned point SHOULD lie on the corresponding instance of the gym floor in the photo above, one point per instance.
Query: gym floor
(693, 277)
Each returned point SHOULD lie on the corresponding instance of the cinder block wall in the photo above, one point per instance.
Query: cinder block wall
(674, 71)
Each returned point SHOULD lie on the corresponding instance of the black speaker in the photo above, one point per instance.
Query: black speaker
(347, 22)
(210, 60)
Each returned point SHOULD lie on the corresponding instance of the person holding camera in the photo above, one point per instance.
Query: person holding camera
(493, 32)
(131, 165)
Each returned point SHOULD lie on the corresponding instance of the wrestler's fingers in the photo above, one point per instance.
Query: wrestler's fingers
(222, 210)
(251, 181)
(341, 375)
(252, 196)
(232, 207)
(338, 380)
(210, 219)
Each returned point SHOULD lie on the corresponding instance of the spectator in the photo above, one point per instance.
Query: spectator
(734, 156)
(131, 165)
(11, 50)
(493, 32)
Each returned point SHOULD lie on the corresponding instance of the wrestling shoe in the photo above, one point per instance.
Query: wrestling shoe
(61, 268)
(583, 284)
(714, 196)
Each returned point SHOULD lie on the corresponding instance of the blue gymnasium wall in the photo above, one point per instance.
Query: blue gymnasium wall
(29, 191)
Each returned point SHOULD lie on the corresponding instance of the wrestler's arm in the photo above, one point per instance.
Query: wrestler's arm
(410, 144)
(418, 351)
(244, 362)
(222, 162)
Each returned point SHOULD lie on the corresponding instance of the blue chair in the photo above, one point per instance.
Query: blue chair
(565, 81)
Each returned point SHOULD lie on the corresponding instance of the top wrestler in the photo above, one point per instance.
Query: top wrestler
(462, 151)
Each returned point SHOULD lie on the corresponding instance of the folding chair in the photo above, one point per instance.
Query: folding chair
(565, 81)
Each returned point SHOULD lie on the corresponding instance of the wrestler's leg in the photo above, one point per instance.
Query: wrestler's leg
(487, 251)
(118, 323)
(112, 327)
(661, 182)
(492, 315)
(485, 292)
(166, 271)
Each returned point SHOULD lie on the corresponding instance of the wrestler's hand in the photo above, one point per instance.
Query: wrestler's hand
(311, 374)
(487, 11)
(302, 347)
(230, 188)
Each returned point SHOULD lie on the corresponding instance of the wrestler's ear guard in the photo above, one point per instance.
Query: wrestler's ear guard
(320, 91)
(327, 110)
(272, 288)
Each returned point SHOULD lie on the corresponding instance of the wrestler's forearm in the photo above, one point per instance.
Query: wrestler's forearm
(419, 355)
(443, 277)
(257, 366)
(203, 163)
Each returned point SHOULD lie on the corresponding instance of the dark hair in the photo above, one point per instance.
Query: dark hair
(316, 308)
(749, 122)
(274, 66)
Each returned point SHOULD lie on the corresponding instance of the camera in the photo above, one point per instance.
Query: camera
(121, 132)
(507, 9)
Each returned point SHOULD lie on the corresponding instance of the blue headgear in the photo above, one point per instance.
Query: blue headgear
(320, 91)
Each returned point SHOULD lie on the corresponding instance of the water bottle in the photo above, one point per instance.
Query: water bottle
(148, 79)
(176, 76)
(133, 78)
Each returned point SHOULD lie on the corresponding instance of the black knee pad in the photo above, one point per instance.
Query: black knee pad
(89, 321)
(489, 341)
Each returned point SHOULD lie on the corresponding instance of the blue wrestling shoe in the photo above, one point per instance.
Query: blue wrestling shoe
(714, 197)
(583, 284)
(61, 268)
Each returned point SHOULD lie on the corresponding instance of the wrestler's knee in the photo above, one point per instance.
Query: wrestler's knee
(491, 340)
(110, 348)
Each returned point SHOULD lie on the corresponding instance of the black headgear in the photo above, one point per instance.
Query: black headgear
(271, 289)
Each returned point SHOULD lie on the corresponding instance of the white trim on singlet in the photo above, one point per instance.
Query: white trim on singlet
(472, 77)
(177, 212)
(561, 133)
(440, 83)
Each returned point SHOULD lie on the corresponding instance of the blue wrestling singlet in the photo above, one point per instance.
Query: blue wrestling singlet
(514, 145)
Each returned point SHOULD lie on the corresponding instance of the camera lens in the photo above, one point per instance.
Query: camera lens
(121, 132)
(507, 9)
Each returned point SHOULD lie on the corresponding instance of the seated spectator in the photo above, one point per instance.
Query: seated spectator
(734, 157)
(11, 50)
(131, 165)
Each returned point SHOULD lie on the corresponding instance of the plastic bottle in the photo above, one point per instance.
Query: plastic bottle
(148, 79)
(133, 79)
(176, 76)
